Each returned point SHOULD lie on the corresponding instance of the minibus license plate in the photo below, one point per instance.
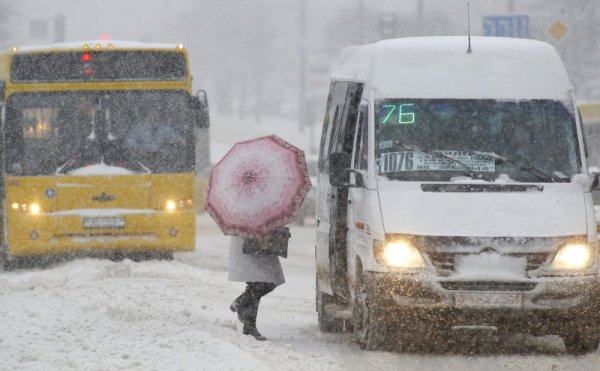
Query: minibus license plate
(104, 222)
(488, 300)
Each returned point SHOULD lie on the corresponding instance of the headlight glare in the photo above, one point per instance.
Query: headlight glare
(573, 257)
(34, 208)
(402, 254)
(170, 205)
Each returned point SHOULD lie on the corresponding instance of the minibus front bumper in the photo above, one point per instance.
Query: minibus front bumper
(546, 305)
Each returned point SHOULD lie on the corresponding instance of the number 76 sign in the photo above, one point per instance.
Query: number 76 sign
(397, 114)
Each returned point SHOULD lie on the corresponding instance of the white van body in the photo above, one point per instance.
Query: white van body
(495, 237)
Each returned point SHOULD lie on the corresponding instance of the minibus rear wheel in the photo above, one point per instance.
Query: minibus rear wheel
(327, 322)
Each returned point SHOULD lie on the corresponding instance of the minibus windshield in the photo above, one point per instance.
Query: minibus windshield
(441, 139)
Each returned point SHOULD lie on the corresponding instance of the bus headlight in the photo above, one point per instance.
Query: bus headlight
(170, 205)
(573, 256)
(173, 205)
(34, 208)
(399, 254)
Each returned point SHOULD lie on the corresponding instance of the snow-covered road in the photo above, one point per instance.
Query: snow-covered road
(173, 315)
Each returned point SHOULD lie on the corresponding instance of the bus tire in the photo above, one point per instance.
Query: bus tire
(3, 260)
(165, 255)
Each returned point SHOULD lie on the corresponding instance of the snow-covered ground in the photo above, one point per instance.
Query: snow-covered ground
(173, 315)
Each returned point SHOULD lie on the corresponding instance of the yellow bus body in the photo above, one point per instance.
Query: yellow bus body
(65, 202)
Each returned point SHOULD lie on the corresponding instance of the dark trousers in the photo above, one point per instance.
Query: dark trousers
(254, 291)
(248, 302)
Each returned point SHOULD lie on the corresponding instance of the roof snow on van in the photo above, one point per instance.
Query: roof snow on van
(440, 67)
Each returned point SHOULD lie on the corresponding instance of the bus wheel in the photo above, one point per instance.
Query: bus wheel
(116, 256)
(155, 255)
(165, 255)
(3, 260)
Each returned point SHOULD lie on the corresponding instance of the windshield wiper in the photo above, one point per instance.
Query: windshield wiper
(148, 171)
(465, 169)
(542, 175)
(68, 163)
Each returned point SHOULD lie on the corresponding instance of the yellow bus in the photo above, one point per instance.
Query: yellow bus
(102, 142)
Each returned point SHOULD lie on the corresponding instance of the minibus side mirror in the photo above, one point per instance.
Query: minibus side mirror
(200, 113)
(359, 181)
(339, 162)
(595, 182)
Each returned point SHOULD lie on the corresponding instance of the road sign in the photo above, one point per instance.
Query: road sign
(388, 24)
(506, 26)
(558, 30)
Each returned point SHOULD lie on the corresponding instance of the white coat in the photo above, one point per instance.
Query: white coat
(252, 268)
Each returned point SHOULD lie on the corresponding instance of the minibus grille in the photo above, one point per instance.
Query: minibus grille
(488, 286)
(444, 262)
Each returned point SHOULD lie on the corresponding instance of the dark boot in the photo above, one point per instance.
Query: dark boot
(241, 300)
(249, 315)
(246, 306)
(236, 304)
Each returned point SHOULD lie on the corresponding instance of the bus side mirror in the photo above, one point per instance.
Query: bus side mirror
(200, 113)
(2, 90)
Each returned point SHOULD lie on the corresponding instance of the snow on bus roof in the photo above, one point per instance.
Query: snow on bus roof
(440, 67)
(104, 44)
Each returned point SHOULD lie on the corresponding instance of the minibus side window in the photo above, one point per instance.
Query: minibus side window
(336, 100)
(344, 132)
(361, 140)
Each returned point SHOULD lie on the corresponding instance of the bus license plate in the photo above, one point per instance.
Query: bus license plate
(105, 222)
(488, 300)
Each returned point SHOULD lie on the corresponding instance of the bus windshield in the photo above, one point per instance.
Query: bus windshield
(53, 133)
(440, 139)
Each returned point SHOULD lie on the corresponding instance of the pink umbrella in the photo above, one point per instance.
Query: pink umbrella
(257, 187)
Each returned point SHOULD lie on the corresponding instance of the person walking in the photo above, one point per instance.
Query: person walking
(262, 273)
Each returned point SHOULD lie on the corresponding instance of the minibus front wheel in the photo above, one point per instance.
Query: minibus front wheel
(579, 343)
(371, 329)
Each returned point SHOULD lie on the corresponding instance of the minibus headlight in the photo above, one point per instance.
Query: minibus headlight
(573, 256)
(399, 254)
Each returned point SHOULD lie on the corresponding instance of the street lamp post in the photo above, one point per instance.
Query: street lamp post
(302, 67)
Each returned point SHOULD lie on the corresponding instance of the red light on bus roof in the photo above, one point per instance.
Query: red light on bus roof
(86, 57)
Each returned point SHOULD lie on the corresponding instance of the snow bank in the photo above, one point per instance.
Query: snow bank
(100, 169)
(440, 67)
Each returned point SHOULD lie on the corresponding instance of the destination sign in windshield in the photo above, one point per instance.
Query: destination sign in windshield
(421, 161)
(94, 65)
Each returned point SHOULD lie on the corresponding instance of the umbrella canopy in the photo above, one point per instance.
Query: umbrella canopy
(257, 187)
